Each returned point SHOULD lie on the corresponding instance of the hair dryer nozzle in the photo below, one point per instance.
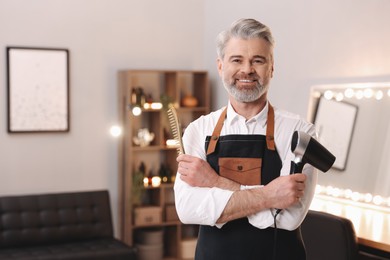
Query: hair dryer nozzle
(311, 151)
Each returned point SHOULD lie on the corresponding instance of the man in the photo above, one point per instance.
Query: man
(235, 173)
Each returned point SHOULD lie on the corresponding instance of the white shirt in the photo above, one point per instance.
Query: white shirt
(200, 205)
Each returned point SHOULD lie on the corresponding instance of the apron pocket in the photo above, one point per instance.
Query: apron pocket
(245, 171)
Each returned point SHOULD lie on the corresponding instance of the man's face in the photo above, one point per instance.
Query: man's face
(246, 68)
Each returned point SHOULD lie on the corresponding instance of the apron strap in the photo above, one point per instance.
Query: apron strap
(270, 128)
(217, 131)
(269, 132)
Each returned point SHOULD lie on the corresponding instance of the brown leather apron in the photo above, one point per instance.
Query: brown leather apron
(248, 160)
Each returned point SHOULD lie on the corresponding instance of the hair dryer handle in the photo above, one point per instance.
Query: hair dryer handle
(296, 167)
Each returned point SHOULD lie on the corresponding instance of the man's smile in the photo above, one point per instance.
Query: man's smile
(245, 83)
(247, 80)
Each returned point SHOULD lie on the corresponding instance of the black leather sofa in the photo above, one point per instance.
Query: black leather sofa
(74, 225)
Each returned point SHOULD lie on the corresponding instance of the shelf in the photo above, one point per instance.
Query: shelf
(161, 186)
(191, 109)
(174, 85)
(163, 224)
(153, 148)
(181, 108)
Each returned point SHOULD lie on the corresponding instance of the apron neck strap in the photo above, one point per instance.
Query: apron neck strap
(217, 131)
(269, 132)
(270, 128)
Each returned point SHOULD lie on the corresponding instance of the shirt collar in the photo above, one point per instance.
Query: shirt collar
(232, 116)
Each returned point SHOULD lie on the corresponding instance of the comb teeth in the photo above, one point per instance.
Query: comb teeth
(175, 129)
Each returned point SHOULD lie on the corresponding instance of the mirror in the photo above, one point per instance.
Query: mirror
(360, 137)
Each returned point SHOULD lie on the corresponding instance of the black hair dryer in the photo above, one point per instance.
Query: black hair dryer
(308, 150)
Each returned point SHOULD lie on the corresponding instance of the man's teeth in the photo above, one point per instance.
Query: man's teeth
(246, 80)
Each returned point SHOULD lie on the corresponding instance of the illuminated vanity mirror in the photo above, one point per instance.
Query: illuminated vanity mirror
(353, 122)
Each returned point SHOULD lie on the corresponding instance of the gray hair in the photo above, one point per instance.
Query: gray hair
(243, 29)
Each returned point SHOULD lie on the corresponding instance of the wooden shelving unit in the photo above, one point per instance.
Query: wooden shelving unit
(173, 85)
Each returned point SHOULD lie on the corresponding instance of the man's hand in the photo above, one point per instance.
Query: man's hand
(284, 191)
(196, 172)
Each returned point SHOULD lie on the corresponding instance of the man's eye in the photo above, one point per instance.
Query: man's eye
(260, 61)
(236, 60)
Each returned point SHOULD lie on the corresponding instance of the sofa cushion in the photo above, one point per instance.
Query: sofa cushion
(100, 249)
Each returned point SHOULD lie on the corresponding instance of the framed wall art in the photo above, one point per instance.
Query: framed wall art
(335, 122)
(38, 89)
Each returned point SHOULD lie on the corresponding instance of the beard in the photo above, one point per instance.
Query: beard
(245, 95)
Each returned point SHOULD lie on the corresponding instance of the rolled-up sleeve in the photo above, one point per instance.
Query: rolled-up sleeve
(197, 205)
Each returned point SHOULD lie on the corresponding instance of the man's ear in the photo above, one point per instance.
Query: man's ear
(219, 66)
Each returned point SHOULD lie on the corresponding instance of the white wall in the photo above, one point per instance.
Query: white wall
(317, 42)
(103, 37)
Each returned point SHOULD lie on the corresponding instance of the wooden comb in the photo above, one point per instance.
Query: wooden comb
(174, 123)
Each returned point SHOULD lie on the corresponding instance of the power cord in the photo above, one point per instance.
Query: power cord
(275, 234)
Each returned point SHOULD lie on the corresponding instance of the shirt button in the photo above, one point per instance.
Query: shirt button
(239, 167)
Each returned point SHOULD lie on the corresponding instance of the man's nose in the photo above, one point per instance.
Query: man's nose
(247, 68)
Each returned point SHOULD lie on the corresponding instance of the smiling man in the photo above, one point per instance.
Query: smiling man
(235, 174)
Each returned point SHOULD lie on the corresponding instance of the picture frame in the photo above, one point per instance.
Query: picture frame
(38, 89)
(335, 123)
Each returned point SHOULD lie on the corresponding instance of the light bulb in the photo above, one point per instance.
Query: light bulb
(319, 189)
(349, 93)
(368, 197)
(379, 95)
(368, 93)
(359, 94)
(146, 181)
(348, 193)
(339, 96)
(317, 94)
(156, 181)
(328, 94)
(115, 131)
(355, 196)
(336, 192)
(329, 190)
(377, 200)
(136, 111)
